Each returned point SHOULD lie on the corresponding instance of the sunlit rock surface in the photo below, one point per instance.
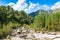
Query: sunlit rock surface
(32, 35)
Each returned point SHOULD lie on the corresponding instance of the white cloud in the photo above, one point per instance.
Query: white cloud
(46, 6)
(22, 5)
(32, 7)
(28, 8)
(56, 5)
(10, 4)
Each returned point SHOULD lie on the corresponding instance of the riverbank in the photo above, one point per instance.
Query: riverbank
(23, 34)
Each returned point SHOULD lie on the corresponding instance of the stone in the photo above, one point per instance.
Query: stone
(8, 36)
(18, 31)
(38, 31)
(22, 28)
(24, 31)
(13, 34)
(5, 39)
(32, 31)
(16, 38)
(56, 39)
(23, 35)
(52, 33)
(30, 35)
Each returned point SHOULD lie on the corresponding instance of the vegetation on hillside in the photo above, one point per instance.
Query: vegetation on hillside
(48, 22)
(10, 18)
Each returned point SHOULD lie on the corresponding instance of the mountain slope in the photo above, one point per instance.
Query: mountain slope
(33, 14)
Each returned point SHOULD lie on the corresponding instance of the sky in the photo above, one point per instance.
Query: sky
(31, 5)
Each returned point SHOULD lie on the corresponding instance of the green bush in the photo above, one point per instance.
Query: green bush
(47, 22)
(1, 33)
(16, 25)
(6, 31)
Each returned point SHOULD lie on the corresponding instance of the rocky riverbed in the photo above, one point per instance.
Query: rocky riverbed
(36, 36)
(23, 34)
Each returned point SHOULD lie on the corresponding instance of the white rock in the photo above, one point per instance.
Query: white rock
(18, 30)
(56, 39)
(24, 31)
(16, 38)
(30, 35)
(32, 31)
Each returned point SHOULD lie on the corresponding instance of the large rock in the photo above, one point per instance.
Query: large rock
(32, 31)
(30, 35)
(56, 39)
(19, 31)
(52, 33)
(16, 38)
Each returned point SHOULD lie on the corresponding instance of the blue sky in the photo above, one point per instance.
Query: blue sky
(48, 2)
(31, 5)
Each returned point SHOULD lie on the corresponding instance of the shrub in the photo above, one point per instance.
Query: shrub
(1, 33)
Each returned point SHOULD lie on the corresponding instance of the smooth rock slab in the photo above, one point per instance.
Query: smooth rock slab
(16, 38)
(56, 39)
